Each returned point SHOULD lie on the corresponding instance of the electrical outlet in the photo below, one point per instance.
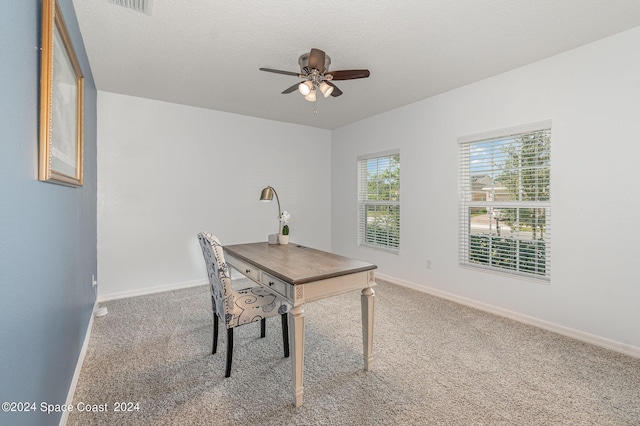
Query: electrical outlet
(427, 264)
(93, 280)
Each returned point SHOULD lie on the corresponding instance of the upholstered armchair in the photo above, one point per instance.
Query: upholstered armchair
(238, 307)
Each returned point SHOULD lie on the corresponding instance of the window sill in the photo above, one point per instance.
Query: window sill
(507, 274)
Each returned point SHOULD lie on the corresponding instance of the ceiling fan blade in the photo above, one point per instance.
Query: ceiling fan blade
(291, 89)
(316, 59)
(349, 74)
(280, 71)
(336, 92)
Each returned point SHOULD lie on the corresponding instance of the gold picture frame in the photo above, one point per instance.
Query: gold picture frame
(61, 103)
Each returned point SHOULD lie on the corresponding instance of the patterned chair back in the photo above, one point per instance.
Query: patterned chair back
(219, 277)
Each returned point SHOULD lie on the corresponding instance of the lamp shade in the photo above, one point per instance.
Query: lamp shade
(311, 97)
(267, 194)
(305, 87)
(325, 88)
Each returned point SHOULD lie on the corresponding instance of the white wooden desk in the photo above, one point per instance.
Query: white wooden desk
(300, 275)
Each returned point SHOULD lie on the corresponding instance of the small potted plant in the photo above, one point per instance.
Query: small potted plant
(283, 238)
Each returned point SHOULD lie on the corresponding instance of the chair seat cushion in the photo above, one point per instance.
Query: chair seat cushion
(253, 304)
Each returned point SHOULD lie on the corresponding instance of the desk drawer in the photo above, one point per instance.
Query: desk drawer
(275, 284)
(248, 270)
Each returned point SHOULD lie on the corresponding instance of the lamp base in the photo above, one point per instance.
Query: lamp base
(273, 239)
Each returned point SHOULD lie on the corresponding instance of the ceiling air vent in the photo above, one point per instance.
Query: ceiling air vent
(143, 6)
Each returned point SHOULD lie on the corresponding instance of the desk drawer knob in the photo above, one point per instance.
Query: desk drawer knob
(247, 270)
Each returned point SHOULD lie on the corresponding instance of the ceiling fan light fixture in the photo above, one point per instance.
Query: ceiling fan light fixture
(325, 88)
(311, 97)
(315, 77)
(305, 88)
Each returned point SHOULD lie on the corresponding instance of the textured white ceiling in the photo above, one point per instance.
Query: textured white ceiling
(206, 53)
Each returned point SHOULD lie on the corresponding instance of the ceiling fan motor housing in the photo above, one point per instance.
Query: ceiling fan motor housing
(303, 61)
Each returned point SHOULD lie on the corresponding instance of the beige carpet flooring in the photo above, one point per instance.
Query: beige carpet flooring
(436, 363)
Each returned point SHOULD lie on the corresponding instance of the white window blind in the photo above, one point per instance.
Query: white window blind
(379, 200)
(505, 201)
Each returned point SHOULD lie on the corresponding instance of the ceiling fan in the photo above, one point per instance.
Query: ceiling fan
(314, 69)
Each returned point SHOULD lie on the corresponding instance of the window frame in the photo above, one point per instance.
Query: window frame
(364, 203)
(519, 249)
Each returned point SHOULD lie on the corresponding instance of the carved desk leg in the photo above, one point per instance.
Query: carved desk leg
(296, 327)
(367, 300)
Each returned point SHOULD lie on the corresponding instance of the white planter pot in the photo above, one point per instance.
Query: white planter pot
(284, 239)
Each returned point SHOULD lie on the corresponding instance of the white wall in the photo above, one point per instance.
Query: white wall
(167, 172)
(592, 95)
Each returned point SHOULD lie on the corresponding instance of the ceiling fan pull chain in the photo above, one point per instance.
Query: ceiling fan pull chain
(315, 107)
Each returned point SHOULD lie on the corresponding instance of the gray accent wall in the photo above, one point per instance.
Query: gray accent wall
(48, 231)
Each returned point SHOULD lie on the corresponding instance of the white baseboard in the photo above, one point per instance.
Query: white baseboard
(149, 290)
(76, 373)
(556, 328)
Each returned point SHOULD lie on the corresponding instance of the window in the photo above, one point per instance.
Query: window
(505, 200)
(379, 200)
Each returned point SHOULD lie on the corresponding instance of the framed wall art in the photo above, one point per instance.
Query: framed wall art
(61, 103)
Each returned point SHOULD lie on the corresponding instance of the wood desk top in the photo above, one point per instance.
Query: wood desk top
(296, 264)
